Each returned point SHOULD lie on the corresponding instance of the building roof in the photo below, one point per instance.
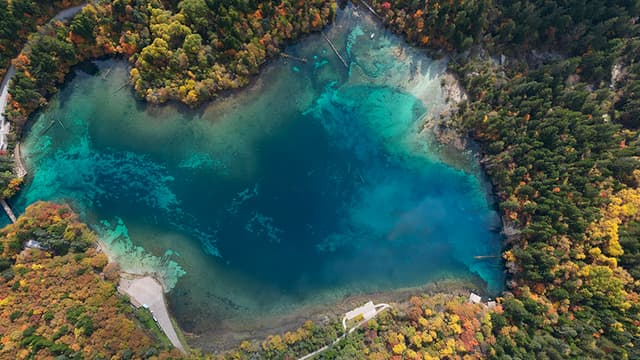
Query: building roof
(368, 311)
(476, 299)
(34, 245)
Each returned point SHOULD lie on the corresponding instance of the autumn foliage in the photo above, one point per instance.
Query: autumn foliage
(54, 305)
(189, 52)
(432, 326)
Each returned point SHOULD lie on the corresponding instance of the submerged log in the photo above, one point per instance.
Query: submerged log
(370, 9)
(336, 51)
(122, 87)
(287, 56)
(48, 127)
(106, 73)
(61, 124)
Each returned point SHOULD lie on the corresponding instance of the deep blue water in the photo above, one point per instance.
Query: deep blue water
(312, 184)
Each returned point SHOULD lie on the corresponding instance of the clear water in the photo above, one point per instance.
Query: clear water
(314, 183)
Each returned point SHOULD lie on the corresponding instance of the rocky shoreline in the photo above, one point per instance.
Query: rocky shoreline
(440, 124)
(448, 134)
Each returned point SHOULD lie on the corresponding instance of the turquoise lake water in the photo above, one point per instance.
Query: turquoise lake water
(314, 183)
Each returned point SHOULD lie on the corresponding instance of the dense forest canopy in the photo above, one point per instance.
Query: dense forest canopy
(62, 302)
(186, 50)
(20, 18)
(554, 102)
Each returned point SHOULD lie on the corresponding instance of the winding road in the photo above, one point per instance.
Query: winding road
(5, 127)
(378, 309)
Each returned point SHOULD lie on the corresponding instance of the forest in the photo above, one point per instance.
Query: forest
(19, 19)
(427, 327)
(61, 302)
(188, 51)
(554, 103)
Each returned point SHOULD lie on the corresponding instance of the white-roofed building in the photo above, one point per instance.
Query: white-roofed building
(368, 311)
(476, 299)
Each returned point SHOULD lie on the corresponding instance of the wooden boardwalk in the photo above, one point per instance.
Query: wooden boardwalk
(8, 210)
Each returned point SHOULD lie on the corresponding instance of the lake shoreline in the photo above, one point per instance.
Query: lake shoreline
(227, 336)
(446, 134)
(318, 312)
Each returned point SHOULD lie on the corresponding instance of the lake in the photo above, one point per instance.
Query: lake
(314, 183)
